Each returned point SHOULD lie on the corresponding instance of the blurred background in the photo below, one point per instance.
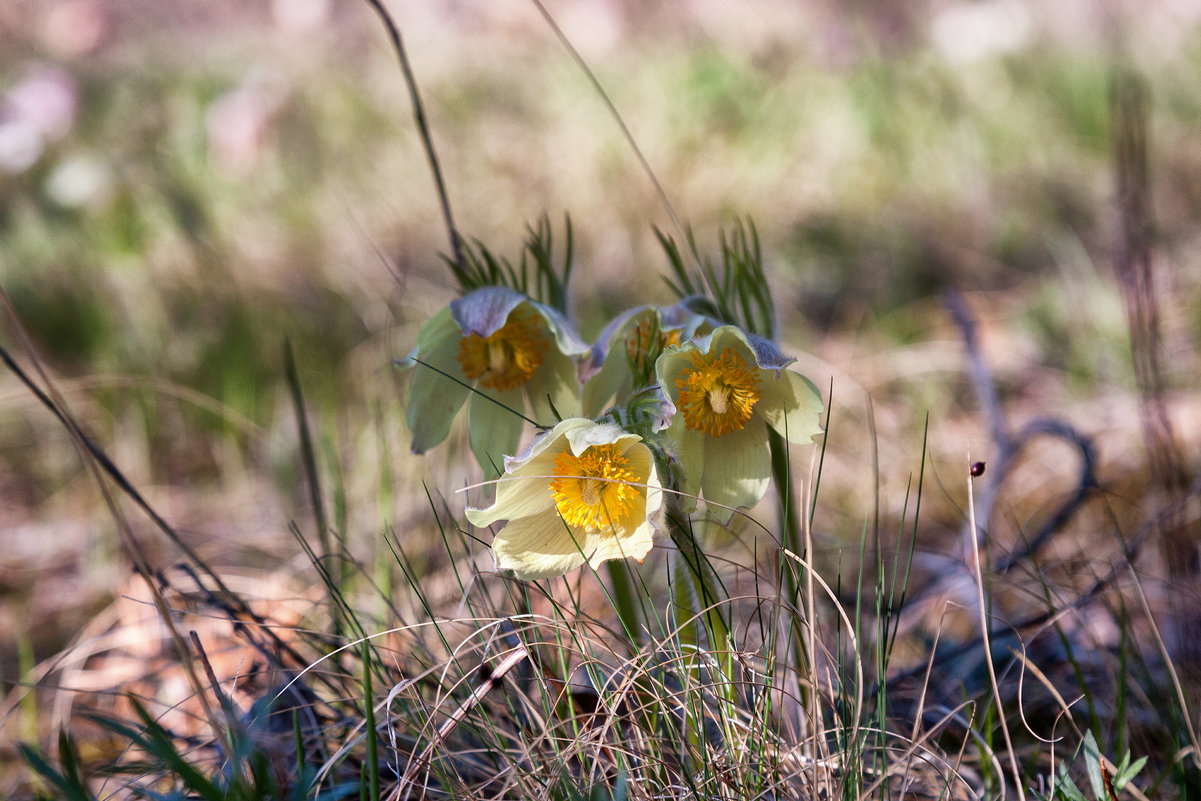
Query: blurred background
(184, 186)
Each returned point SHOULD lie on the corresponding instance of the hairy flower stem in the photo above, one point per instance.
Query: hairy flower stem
(697, 597)
(789, 523)
(623, 600)
(789, 518)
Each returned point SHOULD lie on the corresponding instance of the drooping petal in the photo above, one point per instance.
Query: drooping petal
(557, 381)
(516, 496)
(606, 368)
(524, 487)
(690, 455)
(629, 347)
(629, 543)
(484, 311)
(495, 428)
(539, 546)
(434, 399)
(767, 355)
(615, 329)
(793, 406)
(582, 437)
(566, 338)
(737, 466)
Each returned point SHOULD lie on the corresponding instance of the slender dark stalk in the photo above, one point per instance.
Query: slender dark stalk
(372, 765)
(133, 548)
(625, 132)
(327, 556)
(1135, 268)
(423, 131)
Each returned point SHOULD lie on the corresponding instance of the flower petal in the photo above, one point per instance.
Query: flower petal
(536, 542)
(557, 379)
(604, 384)
(606, 367)
(737, 466)
(730, 336)
(540, 546)
(620, 543)
(495, 429)
(582, 437)
(484, 311)
(642, 463)
(767, 355)
(566, 338)
(524, 489)
(516, 496)
(690, 456)
(434, 399)
(792, 405)
(674, 360)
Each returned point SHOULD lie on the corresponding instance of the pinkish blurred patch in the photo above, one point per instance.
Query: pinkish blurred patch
(39, 110)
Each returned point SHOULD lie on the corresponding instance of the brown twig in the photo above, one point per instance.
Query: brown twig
(1134, 266)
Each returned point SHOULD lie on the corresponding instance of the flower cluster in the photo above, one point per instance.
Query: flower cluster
(667, 405)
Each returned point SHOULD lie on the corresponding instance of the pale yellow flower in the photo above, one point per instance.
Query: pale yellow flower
(582, 492)
(727, 388)
(512, 355)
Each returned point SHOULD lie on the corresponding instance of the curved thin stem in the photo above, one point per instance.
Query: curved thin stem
(423, 130)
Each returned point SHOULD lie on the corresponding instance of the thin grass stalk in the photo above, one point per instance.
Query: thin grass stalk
(402, 562)
(810, 611)
(617, 118)
(893, 601)
(703, 586)
(339, 609)
(1177, 687)
(327, 558)
(373, 772)
(423, 131)
(987, 643)
(89, 454)
(1122, 738)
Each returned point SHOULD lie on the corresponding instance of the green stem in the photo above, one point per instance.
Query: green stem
(789, 522)
(372, 765)
(623, 600)
(698, 598)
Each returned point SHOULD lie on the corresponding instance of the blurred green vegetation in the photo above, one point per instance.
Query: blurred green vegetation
(876, 182)
(226, 182)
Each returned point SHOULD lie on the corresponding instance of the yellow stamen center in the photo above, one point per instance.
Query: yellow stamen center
(592, 490)
(718, 393)
(508, 357)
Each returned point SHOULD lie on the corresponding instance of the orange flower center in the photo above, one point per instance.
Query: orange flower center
(718, 393)
(593, 491)
(508, 357)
